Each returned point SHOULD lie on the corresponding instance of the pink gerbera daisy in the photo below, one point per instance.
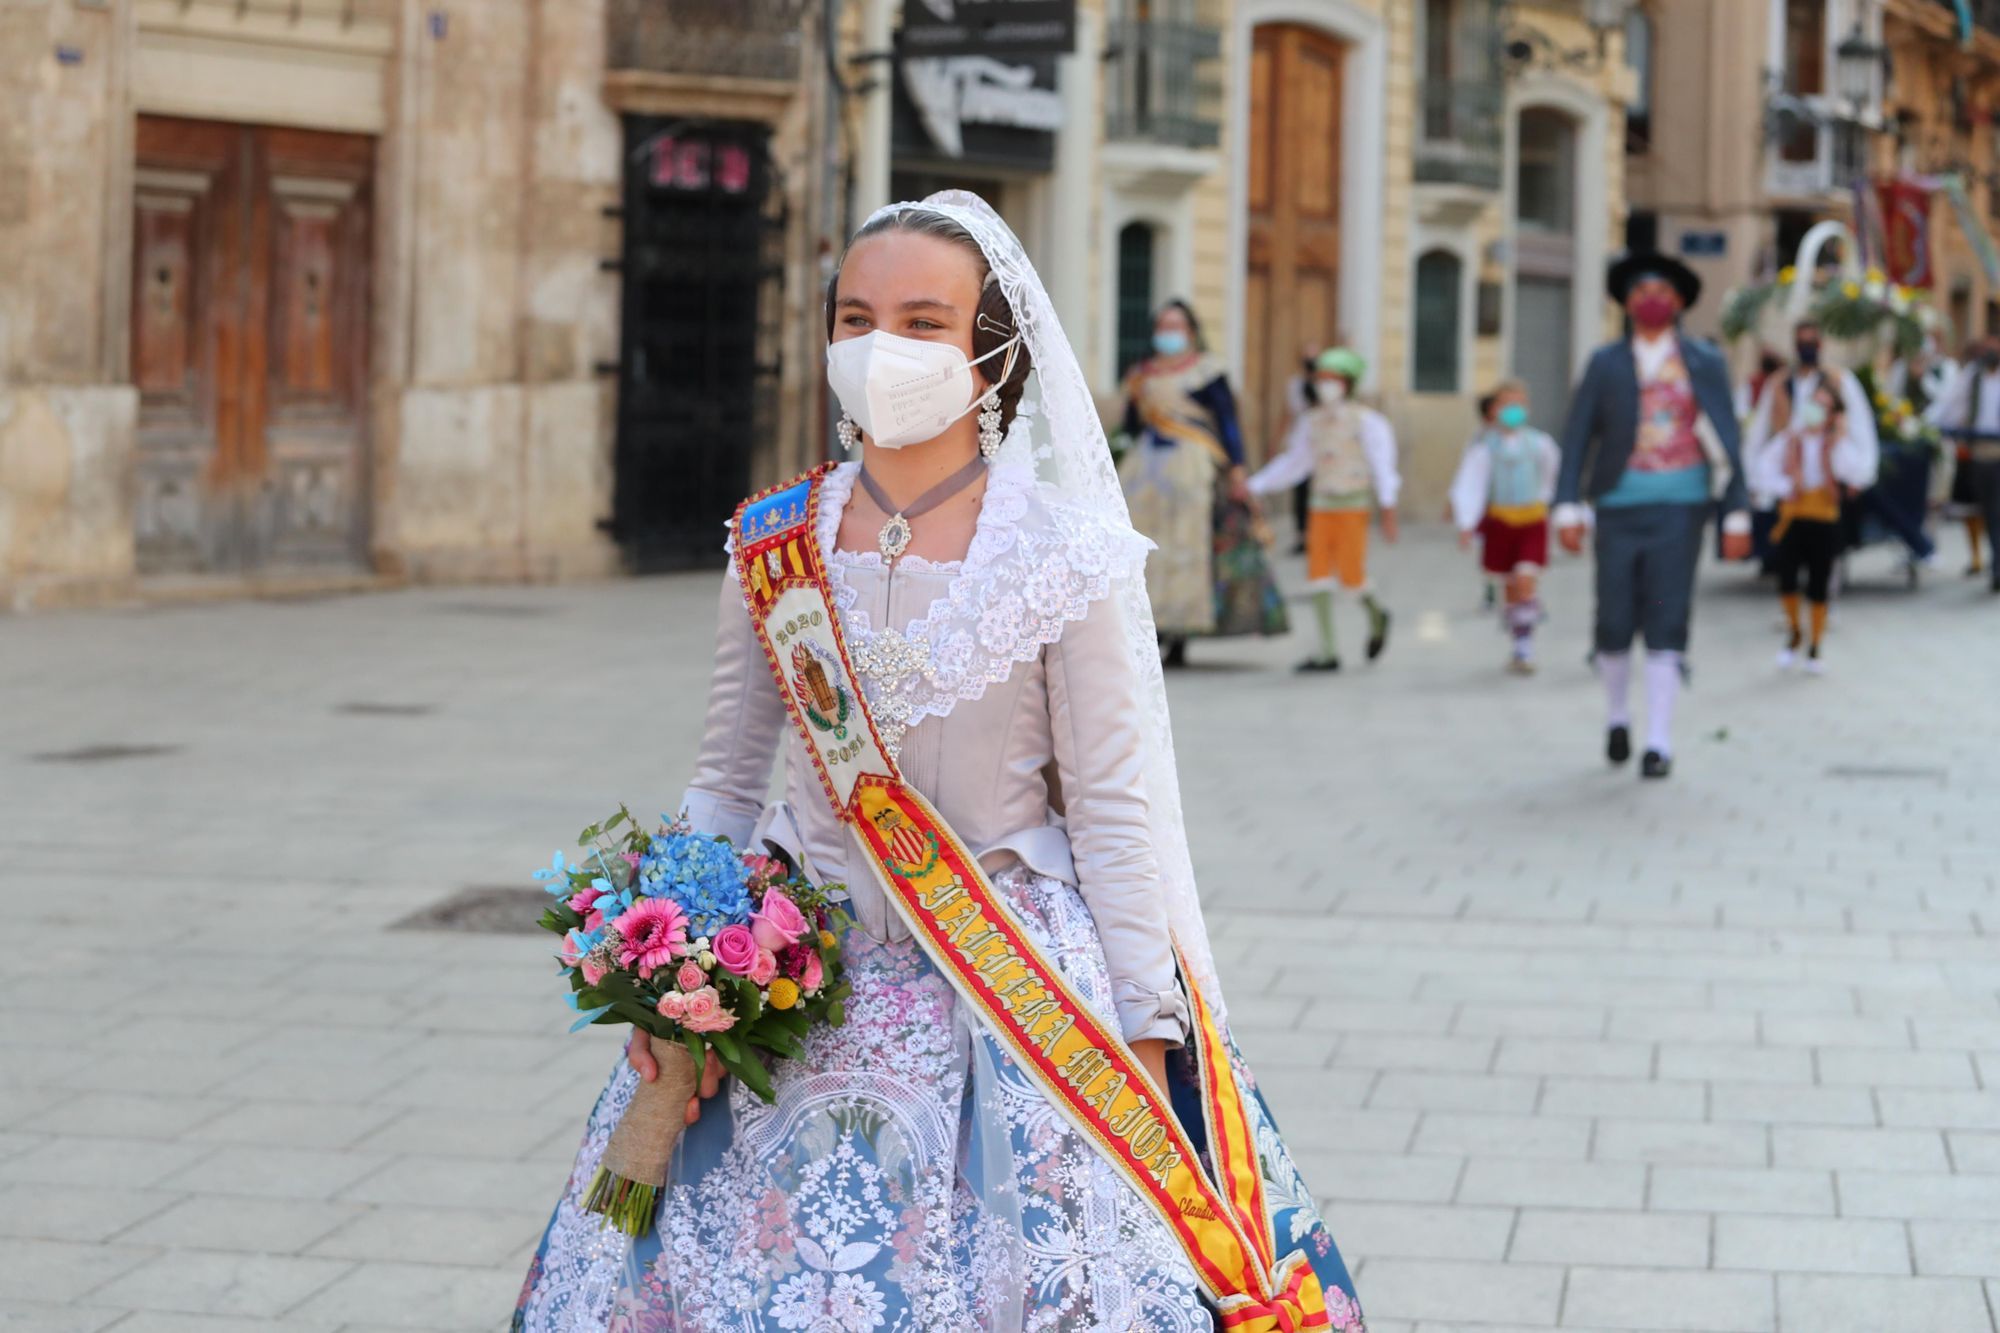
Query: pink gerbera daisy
(654, 934)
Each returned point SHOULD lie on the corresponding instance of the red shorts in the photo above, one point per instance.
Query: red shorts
(1514, 546)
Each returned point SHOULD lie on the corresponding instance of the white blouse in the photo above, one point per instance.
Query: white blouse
(1004, 687)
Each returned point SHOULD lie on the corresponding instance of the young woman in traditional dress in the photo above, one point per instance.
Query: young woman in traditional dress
(917, 1171)
(1185, 488)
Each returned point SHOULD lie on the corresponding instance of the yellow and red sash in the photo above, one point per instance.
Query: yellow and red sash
(1220, 1217)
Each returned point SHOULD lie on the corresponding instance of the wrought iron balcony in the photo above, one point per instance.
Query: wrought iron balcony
(1459, 133)
(745, 39)
(1985, 13)
(1160, 85)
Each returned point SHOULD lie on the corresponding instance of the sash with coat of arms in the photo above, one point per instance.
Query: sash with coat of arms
(1215, 1209)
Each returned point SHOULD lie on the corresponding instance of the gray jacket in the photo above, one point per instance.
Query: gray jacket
(1603, 420)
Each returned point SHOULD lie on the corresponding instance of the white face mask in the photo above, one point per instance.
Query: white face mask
(903, 391)
(1330, 391)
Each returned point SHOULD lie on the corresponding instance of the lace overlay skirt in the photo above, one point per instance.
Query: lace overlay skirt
(909, 1177)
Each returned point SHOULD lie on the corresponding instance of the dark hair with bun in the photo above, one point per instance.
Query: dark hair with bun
(993, 324)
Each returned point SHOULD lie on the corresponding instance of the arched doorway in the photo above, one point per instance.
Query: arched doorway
(1291, 288)
(1546, 274)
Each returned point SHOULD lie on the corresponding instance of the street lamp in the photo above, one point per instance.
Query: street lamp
(1528, 47)
(1857, 61)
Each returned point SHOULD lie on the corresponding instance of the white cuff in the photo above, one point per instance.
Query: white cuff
(1145, 1015)
(1568, 516)
(1737, 523)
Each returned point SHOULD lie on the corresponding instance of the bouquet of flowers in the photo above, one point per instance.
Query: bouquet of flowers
(705, 948)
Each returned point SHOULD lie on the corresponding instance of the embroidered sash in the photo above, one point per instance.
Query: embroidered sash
(1221, 1220)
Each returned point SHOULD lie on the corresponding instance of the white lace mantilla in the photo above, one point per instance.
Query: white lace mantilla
(1035, 564)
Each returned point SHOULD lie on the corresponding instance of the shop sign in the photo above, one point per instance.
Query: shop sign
(988, 27)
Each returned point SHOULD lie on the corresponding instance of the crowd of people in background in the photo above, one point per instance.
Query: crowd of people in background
(1655, 442)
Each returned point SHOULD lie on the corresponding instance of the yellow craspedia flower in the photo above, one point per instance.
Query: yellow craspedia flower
(1876, 275)
(826, 940)
(784, 993)
(1850, 290)
(1881, 399)
(1785, 276)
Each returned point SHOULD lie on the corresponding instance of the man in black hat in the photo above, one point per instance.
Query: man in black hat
(1649, 425)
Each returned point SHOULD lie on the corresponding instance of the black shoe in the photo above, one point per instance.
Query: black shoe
(1318, 664)
(1996, 583)
(1378, 637)
(1176, 654)
(1618, 745)
(1655, 765)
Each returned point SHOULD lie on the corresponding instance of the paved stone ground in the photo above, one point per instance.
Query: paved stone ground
(1559, 1049)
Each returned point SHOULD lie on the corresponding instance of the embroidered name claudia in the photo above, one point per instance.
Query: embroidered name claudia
(993, 958)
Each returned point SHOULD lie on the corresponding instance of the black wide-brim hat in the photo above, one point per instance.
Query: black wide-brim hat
(1651, 264)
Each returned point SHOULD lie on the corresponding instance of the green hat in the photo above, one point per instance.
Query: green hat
(1341, 361)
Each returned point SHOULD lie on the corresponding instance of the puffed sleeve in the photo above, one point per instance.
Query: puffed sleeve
(1099, 742)
(1221, 404)
(1292, 464)
(1472, 486)
(732, 774)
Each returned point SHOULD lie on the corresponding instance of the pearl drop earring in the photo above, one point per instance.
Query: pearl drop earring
(989, 429)
(848, 432)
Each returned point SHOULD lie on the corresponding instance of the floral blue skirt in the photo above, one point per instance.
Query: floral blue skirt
(909, 1177)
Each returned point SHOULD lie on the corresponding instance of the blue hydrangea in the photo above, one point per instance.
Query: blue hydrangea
(704, 876)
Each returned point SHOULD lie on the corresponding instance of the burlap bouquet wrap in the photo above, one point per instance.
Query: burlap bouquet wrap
(633, 1170)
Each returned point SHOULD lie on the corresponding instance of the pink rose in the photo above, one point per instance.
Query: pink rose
(778, 923)
(592, 972)
(673, 1005)
(765, 970)
(735, 948)
(814, 976)
(691, 977)
(702, 1011)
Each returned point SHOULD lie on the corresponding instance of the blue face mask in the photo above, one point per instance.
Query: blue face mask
(1169, 342)
(1513, 416)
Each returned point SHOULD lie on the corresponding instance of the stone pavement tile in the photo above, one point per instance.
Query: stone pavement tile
(1351, 1131)
(467, 1133)
(1775, 1104)
(1811, 1245)
(1638, 1099)
(1398, 1090)
(1383, 1050)
(305, 1081)
(37, 1317)
(1912, 1194)
(1704, 1189)
(1792, 998)
(1905, 1106)
(1911, 1002)
(1524, 1182)
(1903, 1069)
(17, 1102)
(476, 1239)
(1829, 1030)
(1870, 1149)
(1680, 1143)
(205, 1282)
(242, 1223)
(1531, 1020)
(1412, 1231)
(107, 1163)
(1639, 1298)
(453, 1090)
(75, 1212)
(1575, 1057)
(1682, 1025)
(283, 1124)
(1293, 1091)
(1828, 1304)
(1743, 1064)
(1376, 1176)
(1640, 1240)
(1957, 1034)
(159, 1321)
(1433, 1289)
(1349, 1015)
(1972, 1151)
(1472, 1135)
(417, 1296)
(1956, 1249)
(57, 1270)
(277, 1173)
(464, 1182)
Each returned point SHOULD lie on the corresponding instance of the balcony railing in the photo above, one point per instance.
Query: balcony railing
(1161, 86)
(1815, 158)
(745, 39)
(1459, 133)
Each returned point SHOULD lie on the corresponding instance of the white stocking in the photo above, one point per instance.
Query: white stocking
(1663, 687)
(1616, 671)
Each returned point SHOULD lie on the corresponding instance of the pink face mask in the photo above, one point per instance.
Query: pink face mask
(1654, 312)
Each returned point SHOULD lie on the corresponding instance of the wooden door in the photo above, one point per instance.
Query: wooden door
(1292, 287)
(249, 346)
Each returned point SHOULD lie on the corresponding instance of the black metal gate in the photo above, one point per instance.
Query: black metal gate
(703, 288)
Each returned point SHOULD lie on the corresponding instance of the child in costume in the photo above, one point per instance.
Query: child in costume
(1807, 466)
(1502, 494)
(1349, 453)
